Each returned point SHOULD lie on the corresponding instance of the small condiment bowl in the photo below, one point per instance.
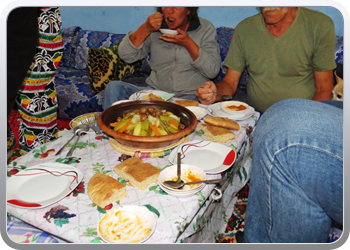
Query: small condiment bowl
(168, 31)
(234, 107)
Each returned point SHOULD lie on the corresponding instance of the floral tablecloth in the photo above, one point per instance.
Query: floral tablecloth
(199, 218)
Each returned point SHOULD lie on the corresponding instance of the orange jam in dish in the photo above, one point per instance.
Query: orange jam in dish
(236, 108)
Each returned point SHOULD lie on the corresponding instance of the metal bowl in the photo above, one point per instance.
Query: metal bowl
(110, 115)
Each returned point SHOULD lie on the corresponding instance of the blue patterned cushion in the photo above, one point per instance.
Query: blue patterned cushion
(73, 91)
(69, 36)
(339, 49)
(93, 39)
(224, 37)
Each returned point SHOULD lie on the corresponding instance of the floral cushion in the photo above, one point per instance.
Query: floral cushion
(104, 65)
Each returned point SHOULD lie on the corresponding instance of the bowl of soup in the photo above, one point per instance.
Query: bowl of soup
(234, 107)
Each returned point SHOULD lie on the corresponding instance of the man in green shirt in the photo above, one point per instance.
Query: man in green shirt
(288, 52)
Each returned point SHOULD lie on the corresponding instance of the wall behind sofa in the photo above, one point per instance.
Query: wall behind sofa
(122, 19)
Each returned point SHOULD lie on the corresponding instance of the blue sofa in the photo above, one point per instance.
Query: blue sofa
(75, 95)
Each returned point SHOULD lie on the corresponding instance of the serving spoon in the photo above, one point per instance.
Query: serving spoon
(82, 128)
(180, 185)
(178, 181)
(77, 128)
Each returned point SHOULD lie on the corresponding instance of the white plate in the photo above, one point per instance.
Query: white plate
(121, 101)
(199, 112)
(181, 195)
(168, 31)
(215, 110)
(212, 157)
(89, 118)
(119, 222)
(139, 95)
(42, 185)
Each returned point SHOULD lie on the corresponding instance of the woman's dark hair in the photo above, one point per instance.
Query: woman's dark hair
(193, 12)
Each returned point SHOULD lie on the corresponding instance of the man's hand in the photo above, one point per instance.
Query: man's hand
(205, 93)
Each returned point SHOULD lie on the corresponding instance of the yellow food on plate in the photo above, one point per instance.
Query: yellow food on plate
(152, 97)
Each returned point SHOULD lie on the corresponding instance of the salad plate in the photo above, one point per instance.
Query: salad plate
(212, 157)
(42, 185)
(141, 95)
(215, 110)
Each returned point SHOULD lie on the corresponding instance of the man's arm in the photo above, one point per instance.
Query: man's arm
(324, 85)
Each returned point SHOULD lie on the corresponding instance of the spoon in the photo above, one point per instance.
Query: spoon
(180, 185)
(82, 128)
(178, 181)
(224, 97)
(78, 127)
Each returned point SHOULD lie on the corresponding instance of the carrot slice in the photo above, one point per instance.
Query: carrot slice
(114, 124)
(173, 123)
(122, 129)
(155, 129)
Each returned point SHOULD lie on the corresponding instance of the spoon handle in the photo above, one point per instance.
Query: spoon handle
(70, 152)
(178, 166)
(205, 181)
(59, 151)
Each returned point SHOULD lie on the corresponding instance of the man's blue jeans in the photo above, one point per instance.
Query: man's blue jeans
(296, 186)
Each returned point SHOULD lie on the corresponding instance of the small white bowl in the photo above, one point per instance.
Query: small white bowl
(199, 112)
(234, 107)
(189, 173)
(169, 31)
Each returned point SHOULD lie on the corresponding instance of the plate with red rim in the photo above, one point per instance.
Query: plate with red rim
(42, 185)
(212, 157)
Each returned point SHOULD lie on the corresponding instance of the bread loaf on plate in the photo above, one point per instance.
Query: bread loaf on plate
(222, 122)
(104, 190)
(217, 134)
(138, 173)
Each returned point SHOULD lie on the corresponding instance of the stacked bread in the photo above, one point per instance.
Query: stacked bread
(218, 129)
(138, 173)
(104, 190)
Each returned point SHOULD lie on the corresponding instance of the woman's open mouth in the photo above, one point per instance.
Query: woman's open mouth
(170, 19)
